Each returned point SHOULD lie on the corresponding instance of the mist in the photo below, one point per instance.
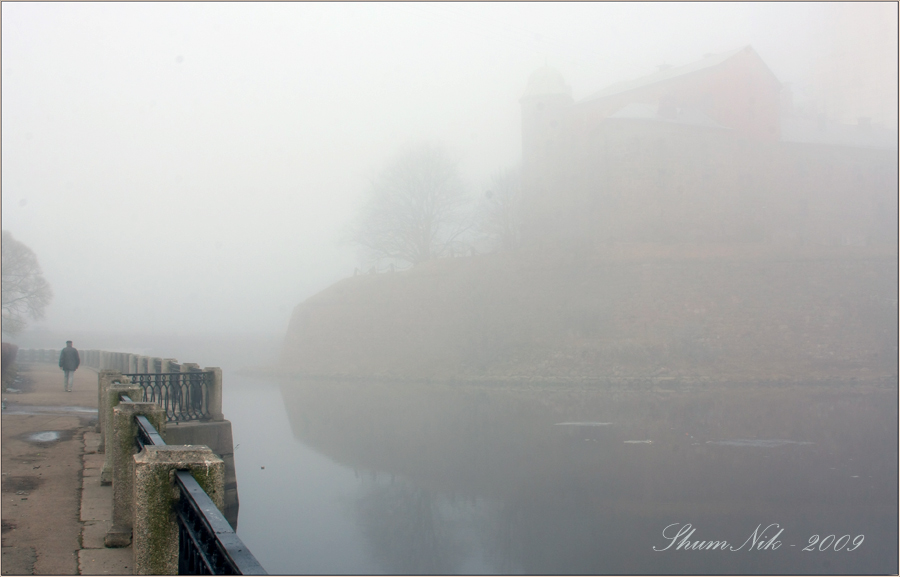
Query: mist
(525, 288)
(195, 167)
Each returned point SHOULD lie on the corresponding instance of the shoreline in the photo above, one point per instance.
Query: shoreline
(637, 382)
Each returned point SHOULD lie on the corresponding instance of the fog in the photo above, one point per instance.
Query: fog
(681, 310)
(197, 165)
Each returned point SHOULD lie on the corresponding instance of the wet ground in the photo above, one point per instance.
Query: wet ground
(42, 467)
(47, 529)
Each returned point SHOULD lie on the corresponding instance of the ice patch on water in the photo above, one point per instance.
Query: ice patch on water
(638, 442)
(584, 424)
(766, 443)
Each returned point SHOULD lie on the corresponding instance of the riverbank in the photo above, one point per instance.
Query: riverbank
(55, 512)
(647, 383)
(624, 313)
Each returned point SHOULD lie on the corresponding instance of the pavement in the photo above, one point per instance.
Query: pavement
(54, 511)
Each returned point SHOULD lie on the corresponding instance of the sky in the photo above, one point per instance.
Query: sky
(199, 164)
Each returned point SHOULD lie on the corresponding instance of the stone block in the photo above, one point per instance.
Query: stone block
(93, 534)
(110, 402)
(214, 434)
(92, 489)
(155, 529)
(121, 447)
(96, 509)
(104, 378)
(217, 436)
(94, 460)
(106, 562)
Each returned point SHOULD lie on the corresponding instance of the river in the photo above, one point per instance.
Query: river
(390, 478)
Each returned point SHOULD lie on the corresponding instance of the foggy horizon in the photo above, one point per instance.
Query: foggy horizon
(197, 165)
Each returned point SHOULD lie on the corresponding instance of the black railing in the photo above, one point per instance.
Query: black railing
(184, 396)
(207, 544)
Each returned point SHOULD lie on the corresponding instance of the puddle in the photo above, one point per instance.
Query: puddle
(765, 443)
(44, 436)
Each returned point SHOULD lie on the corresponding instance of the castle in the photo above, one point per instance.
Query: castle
(684, 227)
(709, 152)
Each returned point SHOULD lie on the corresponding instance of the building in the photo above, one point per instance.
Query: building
(709, 152)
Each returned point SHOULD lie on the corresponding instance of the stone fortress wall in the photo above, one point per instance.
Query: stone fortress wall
(629, 312)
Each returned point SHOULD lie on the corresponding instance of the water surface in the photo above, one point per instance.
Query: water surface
(378, 478)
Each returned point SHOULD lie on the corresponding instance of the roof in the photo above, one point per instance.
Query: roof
(706, 62)
(650, 112)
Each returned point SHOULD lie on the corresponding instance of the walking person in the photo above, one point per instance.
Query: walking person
(68, 362)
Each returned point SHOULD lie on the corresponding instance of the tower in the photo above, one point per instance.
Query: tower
(546, 111)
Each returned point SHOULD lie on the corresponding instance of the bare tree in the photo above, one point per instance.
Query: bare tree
(501, 209)
(25, 292)
(415, 211)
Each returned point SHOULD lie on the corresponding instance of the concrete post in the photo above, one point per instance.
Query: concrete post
(166, 365)
(155, 529)
(104, 378)
(215, 394)
(110, 402)
(122, 448)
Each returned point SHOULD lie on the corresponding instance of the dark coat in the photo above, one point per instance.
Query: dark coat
(68, 359)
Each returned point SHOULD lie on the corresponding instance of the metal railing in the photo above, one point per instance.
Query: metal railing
(207, 544)
(184, 396)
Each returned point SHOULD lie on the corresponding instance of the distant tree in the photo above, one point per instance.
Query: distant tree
(501, 209)
(25, 292)
(416, 208)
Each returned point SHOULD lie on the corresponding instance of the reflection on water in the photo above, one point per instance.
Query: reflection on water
(488, 479)
(412, 529)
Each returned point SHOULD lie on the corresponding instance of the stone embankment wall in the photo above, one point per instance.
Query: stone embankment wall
(736, 313)
(214, 433)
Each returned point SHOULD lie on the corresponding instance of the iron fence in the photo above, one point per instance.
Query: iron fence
(184, 396)
(207, 544)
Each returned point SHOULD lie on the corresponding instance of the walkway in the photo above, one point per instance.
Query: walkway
(55, 513)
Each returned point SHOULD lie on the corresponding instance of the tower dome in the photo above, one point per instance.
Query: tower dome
(546, 81)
